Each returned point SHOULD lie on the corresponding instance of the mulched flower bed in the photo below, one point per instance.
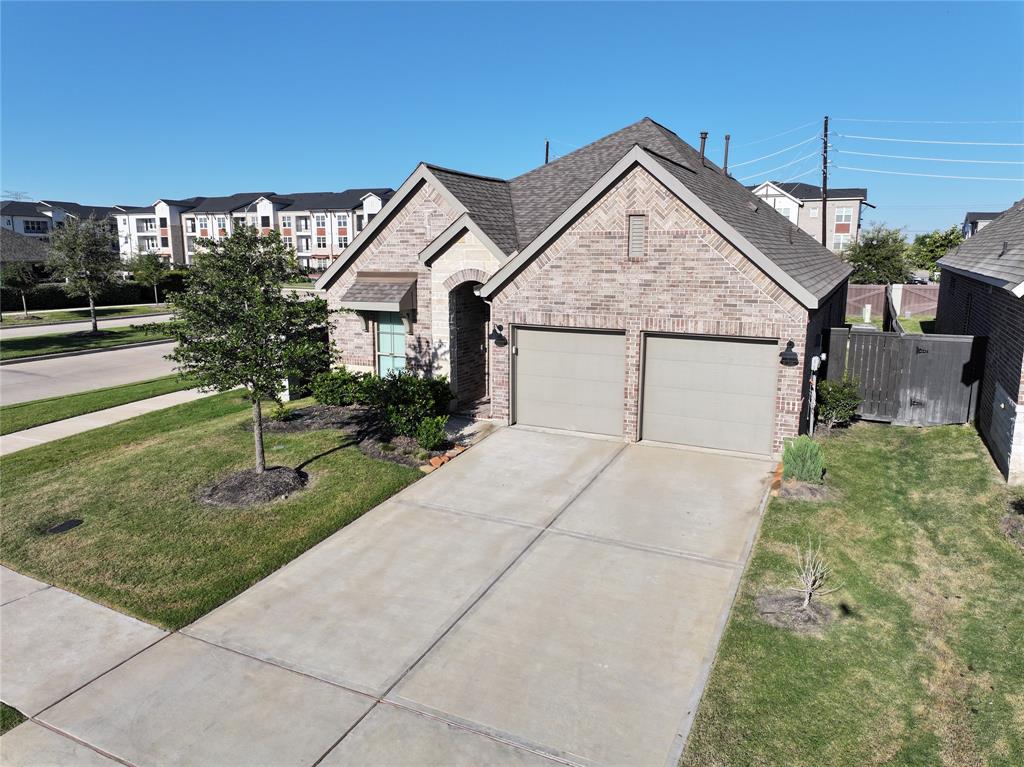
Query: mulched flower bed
(366, 430)
(248, 488)
(785, 610)
(803, 491)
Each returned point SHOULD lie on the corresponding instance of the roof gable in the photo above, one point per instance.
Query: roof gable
(995, 254)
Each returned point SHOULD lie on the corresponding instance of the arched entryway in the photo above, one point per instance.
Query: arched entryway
(469, 316)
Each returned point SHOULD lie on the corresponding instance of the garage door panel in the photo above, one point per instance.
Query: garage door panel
(710, 392)
(570, 380)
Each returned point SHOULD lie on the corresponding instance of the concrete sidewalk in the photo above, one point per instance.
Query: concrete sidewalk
(26, 331)
(38, 435)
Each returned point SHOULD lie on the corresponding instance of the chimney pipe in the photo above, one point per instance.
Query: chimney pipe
(703, 139)
(725, 163)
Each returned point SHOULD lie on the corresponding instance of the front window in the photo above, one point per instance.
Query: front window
(165, 242)
(163, 222)
(286, 222)
(222, 223)
(390, 343)
(321, 242)
(190, 225)
(265, 221)
(36, 227)
(844, 215)
(203, 223)
(321, 220)
(342, 241)
(342, 219)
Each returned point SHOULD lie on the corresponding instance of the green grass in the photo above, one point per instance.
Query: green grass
(146, 547)
(54, 343)
(78, 315)
(300, 284)
(9, 718)
(25, 415)
(920, 324)
(923, 665)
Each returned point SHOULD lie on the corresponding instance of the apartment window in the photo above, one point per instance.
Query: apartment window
(203, 223)
(840, 241)
(784, 211)
(265, 221)
(222, 223)
(163, 222)
(303, 245)
(286, 222)
(812, 212)
(844, 215)
(190, 244)
(321, 220)
(287, 241)
(165, 242)
(342, 241)
(321, 242)
(342, 219)
(252, 220)
(302, 223)
(36, 227)
(190, 225)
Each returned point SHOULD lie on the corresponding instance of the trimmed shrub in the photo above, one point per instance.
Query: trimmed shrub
(337, 387)
(838, 401)
(431, 434)
(409, 399)
(51, 295)
(803, 460)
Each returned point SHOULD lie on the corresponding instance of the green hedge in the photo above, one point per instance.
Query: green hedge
(52, 295)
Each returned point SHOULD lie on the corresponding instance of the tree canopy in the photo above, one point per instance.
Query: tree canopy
(148, 269)
(82, 256)
(930, 247)
(234, 326)
(878, 256)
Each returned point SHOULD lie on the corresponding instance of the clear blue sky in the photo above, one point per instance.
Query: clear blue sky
(125, 102)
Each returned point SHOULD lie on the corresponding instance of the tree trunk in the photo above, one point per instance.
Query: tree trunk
(24, 304)
(156, 296)
(92, 314)
(257, 433)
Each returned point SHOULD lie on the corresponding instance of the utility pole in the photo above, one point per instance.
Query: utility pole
(824, 183)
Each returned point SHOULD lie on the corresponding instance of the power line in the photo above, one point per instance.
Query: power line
(928, 141)
(774, 154)
(932, 159)
(930, 122)
(777, 135)
(779, 167)
(929, 175)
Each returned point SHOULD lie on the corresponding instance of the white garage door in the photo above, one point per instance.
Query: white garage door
(710, 392)
(569, 379)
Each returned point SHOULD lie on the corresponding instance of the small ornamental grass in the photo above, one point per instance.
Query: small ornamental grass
(802, 460)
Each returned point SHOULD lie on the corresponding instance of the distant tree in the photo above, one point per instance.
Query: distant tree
(878, 257)
(930, 247)
(81, 256)
(148, 269)
(235, 327)
(20, 276)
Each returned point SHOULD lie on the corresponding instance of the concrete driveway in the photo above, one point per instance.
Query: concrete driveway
(545, 598)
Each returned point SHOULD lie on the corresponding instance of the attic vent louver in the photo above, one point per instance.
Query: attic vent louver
(635, 246)
(1006, 247)
(752, 205)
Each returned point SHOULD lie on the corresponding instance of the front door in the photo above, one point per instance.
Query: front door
(390, 343)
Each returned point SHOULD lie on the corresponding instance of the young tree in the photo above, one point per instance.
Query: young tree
(235, 327)
(930, 247)
(20, 276)
(82, 256)
(878, 257)
(148, 269)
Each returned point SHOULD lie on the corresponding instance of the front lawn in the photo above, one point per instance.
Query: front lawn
(79, 315)
(54, 343)
(922, 323)
(25, 415)
(146, 547)
(923, 662)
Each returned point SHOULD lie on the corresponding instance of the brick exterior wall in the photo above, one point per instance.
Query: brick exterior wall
(691, 281)
(395, 248)
(971, 307)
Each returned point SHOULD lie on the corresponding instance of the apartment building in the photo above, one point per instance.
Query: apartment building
(153, 229)
(975, 221)
(40, 217)
(801, 204)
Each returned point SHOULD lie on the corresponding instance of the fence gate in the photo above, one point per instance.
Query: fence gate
(909, 380)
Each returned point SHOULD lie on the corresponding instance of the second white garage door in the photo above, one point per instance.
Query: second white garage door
(710, 392)
(570, 379)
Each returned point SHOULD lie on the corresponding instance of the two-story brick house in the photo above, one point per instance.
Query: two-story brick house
(629, 288)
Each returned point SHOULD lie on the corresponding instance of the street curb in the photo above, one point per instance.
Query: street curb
(80, 352)
(75, 322)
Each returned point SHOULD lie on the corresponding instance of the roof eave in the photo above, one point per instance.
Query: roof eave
(456, 229)
(1007, 285)
(638, 156)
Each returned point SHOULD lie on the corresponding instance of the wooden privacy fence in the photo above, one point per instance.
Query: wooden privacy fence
(914, 299)
(909, 380)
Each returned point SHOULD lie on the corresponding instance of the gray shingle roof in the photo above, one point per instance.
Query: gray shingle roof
(82, 211)
(488, 202)
(804, 191)
(996, 251)
(21, 208)
(18, 247)
(349, 199)
(228, 203)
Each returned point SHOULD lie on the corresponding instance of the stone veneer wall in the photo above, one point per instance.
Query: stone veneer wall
(690, 281)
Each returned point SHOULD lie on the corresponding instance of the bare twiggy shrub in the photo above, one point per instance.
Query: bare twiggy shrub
(812, 573)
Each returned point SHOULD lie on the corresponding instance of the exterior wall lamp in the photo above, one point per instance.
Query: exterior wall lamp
(789, 357)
